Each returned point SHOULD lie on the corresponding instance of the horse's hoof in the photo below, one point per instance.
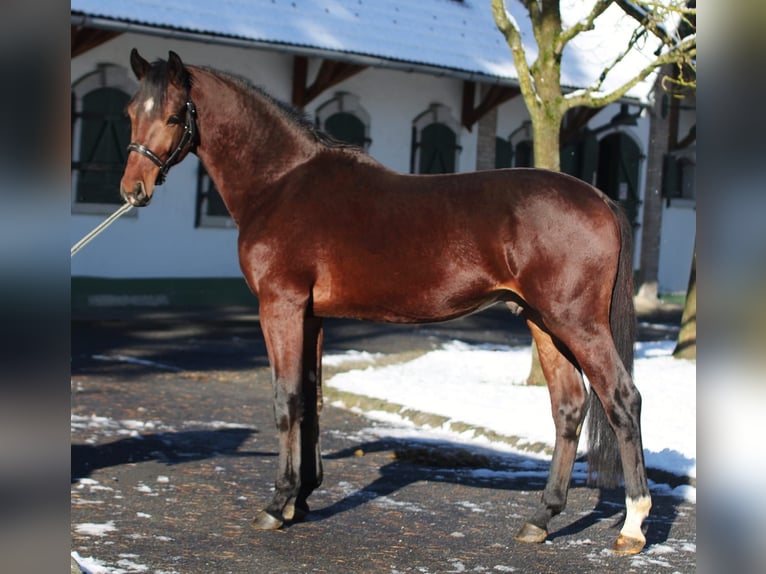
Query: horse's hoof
(266, 521)
(295, 513)
(531, 533)
(626, 546)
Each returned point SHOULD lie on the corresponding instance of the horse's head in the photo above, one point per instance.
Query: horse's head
(163, 125)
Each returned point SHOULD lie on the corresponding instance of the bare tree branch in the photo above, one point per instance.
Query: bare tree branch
(687, 48)
(585, 24)
(637, 35)
(512, 36)
(652, 15)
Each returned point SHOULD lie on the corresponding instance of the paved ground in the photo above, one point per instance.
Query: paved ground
(172, 458)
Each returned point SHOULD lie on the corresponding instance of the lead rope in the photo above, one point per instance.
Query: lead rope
(99, 228)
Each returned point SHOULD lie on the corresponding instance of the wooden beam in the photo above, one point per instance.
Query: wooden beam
(85, 39)
(300, 73)
(330, 74)
(469, 97)
(495, 96)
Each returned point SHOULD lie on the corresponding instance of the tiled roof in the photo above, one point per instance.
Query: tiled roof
(458, 36)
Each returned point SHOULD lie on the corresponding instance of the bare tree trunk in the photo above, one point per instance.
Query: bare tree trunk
(652, 222)
(547, 152)
(686, 346)
(546, 127)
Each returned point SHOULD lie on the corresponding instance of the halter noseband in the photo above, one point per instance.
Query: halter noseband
(189, 138)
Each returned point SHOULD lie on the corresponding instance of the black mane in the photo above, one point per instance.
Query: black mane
(294, 115)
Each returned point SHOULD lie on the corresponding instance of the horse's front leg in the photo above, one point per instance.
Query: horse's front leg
(568, 405)
(311, 472)
(287, 331)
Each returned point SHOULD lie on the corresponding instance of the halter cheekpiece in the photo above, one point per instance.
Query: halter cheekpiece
(189, 138)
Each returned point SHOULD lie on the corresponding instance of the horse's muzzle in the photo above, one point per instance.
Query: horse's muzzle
(137, 196)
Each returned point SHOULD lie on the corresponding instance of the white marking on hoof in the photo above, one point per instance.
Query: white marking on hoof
(531, 533)
(637, 510)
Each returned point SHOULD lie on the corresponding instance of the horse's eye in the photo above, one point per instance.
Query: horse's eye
(174, 120)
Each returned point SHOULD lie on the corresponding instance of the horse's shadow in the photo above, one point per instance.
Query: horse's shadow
(438, 461)
(168, 447)
(413, 461)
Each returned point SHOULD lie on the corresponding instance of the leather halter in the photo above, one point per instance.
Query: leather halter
(189, 138)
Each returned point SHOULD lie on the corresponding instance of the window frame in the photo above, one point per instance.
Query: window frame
(681, 166)
(104, 76)
(435, 114)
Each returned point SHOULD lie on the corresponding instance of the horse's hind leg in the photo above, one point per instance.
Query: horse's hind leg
(568, 405)
(622, 405)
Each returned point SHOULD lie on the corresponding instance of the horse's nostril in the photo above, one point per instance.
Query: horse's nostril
(138, 195)
(139, 192)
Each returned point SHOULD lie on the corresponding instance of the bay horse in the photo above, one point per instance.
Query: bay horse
(326, 231)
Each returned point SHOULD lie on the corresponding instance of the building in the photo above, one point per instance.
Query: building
(423, 87)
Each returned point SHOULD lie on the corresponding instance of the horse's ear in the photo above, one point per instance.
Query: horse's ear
(175, 68)
(139, 65)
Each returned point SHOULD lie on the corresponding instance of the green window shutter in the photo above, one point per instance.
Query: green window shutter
(104, 137)
(438, 146)
(580, 158)
(671, 177)
(589, 157)
(502, 153)
(570, 159)
(524, 154)
(347, 128)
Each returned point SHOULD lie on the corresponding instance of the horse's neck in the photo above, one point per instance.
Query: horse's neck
(246, 145)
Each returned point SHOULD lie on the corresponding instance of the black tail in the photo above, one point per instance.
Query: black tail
(604, 465)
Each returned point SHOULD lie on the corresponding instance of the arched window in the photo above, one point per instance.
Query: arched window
(619, 162)
(435, 141)
(100, 135)
(344, 118)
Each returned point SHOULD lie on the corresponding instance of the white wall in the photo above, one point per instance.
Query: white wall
(679, 222)
(679, 226)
